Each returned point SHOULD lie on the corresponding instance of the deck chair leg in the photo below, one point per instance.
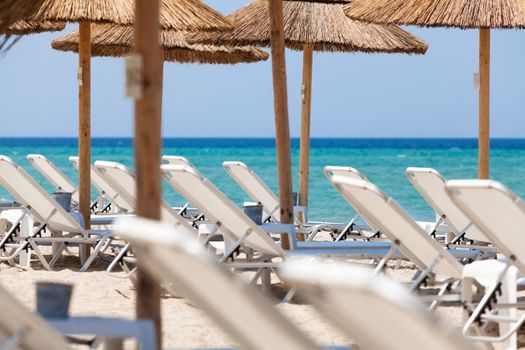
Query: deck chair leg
(266, 279)
(94, 254)
(441, 292)
(58, 254)
(347, 228)
(381, 265)
(39, 255)
(235, 245)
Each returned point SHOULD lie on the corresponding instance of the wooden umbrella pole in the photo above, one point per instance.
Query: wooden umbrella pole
(304, 158)
(84, 128)
(148, 146)
(484, 104)
(282, 128)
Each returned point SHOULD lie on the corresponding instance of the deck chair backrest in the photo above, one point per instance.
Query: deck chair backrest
(53, 174)
(376, 313)
(123, 180)
(183, 266)
(499, 213)
(209, 200)
(331, 170)
(177, 160)
(35, 333)
(393, 221)
(431, 185)
(103, 187)
(254, 187)
(27, 192)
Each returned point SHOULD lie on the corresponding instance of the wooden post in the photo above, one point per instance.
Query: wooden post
(148, 146)
(484, 104)
(282, 128)
(84, 128)
(304, 158)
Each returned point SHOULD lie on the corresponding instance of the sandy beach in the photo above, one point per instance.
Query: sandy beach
(185, 326)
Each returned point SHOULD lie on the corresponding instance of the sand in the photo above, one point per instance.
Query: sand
(185, 326)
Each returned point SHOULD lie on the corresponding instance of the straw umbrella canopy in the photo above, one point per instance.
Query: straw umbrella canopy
(111, 40)
(12, 11)
(465, 14)
(175, 14)
(312, 26)
(24, 27)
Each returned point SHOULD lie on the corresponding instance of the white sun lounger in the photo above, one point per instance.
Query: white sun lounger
(122, 180)
(49, 214)
(259, 192)
(254, 187)
(21, 329)
(192, 213)
(376, 313)
(122, 204)
(179, 262)
(500, 215)
(241, 229)
(53, 174)
(429, 256)
(431, 185)
(177, 160)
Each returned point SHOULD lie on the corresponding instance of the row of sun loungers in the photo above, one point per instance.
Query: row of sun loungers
(467, 207)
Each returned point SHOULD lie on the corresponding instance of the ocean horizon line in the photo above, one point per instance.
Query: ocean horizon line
(260, 142)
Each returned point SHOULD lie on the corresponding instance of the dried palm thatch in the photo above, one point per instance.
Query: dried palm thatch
(191, 15)
(320, 24)
(441, 13)
(174, 14)
(116, 41)
(15, 10)
(97, 11)
(29, 27)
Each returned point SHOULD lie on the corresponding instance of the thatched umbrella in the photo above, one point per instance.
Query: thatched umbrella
(312, 26)
(12, 11)
(24, 27)
(176, 14)
(111, 40)
(465, 14)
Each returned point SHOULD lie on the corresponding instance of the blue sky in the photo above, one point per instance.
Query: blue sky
(354, 95)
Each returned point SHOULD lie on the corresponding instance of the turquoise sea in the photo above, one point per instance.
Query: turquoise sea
(383, 161)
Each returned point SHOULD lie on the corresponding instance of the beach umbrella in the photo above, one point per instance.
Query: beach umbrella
(187, 15)
(465, 14)
(111, 40)
(12, 11)
(24, 27)
(312, 26)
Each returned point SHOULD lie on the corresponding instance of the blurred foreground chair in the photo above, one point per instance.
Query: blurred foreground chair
(180, 263)
(365, 303)
(22, 329)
